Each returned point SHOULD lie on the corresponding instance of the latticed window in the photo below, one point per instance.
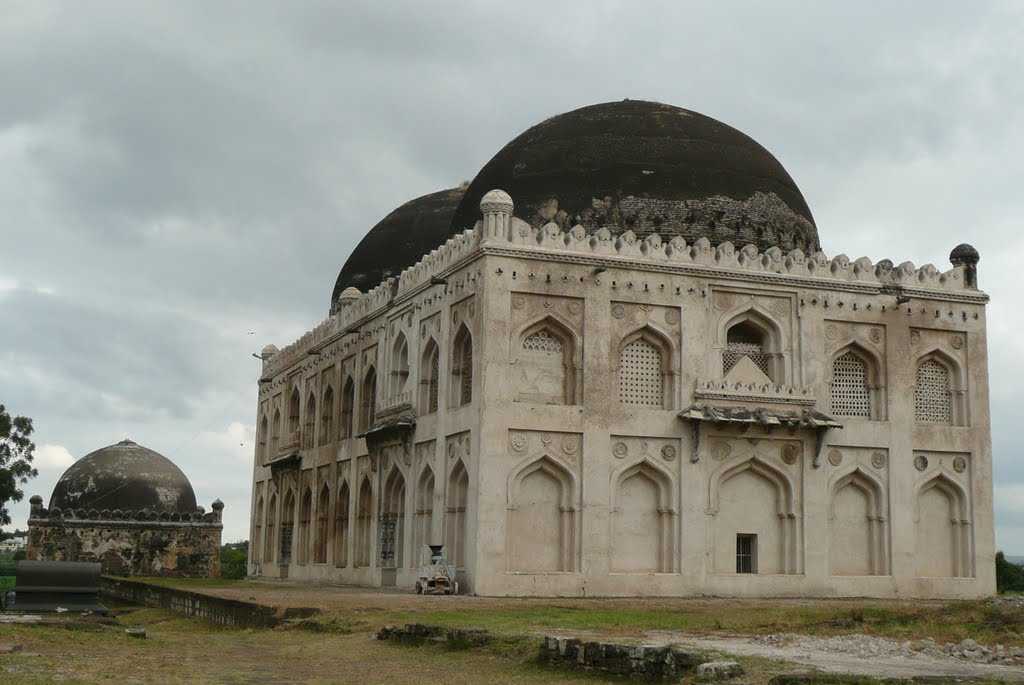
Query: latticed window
(745, 340)
(932, 399)
(544, 342)
(850, 393)
(640, 374)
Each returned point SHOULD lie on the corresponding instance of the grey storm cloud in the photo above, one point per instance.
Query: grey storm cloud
(181, 181)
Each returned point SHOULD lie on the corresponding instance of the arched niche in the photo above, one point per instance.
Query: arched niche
(856, 383)
(457, 499)
(323, 510)
(645, 366)
(430, 377)
(262, 440)
(940, 390)
(305, 521)
(327, 416)
(309, 429)
(542, 496)
(287, 527)
(423, 514)
(942, 525)
(753, 500)
(858, 524)
(461, 389)
(275, 435)
(547, 360)
(256, 545)
(399, 365)
(294, 407)
(644, 519)
(348, 403)
(364, 523)
(271, 529)
(368, 399)
(392, 535)
(753, 347)
(341, 524)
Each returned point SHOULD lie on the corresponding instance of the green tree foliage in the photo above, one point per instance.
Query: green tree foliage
(16, 452)
(1009, 576)
(233, 556)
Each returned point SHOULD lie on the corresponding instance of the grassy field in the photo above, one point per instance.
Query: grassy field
(337, 645)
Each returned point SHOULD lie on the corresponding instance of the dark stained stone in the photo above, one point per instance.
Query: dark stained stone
(126, 477)
(399, 241)
(650, 168)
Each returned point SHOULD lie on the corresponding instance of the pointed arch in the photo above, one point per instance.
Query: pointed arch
(939, 389)
(271, 529)
(643, 519)
(364, 521)
(262, 440)
(753, 333)
(327, 416)
(430, 377)
(645, 365)
(275, 435)
(368, 399)
(341, 527)
(348, 403)
(424, 512)
(305, 523)
(294, 405)
(857, 387)
(392, 536)
(309, 429)
(399, 365)
(542, 497)
(455, 514)
(256, 545)
(741, 498)
(548, 358)
(461, 392)
(943, 528)
(323, 511)
(859, 524)
(287, 527)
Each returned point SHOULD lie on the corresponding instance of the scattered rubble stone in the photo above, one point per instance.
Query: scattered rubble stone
(647, 662)
(139, 633)
(868, 646)
(719, 670)
(9, 648)
(418, 633)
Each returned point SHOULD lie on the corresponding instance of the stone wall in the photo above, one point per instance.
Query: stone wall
(130, 548)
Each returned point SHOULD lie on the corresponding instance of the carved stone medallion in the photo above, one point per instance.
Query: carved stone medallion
(835, 457)
(721, 450)
(671, 317)
(790, 454)
(920, 462)
(668, 452)
(959, 464)
(618, 311)
(957, 342)
(569, 445)
(620, 450)
(518, 442)
(878, 460)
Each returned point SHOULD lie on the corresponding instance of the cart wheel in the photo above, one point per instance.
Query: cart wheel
(419, 588)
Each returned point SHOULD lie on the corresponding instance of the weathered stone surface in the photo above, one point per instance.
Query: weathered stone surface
(719, 670)
(646, 662)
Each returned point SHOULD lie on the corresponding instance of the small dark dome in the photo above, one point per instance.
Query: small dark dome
(399, 241)
(651, 168)
(127, 477)
(964, 254)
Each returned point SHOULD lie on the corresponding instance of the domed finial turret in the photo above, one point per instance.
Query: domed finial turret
(966, 256)
(497, 207)
(268, 351)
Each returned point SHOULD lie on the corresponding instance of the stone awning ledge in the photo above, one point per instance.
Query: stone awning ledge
(401, 418)
(807, 418)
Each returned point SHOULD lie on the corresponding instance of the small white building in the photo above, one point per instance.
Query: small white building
(14, 544)
(618, 363)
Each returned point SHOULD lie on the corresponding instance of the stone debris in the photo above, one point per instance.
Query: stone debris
(9, 648)
(139, 633)
(645, 662)
(719, 670)
(418, 633)
(868, 646)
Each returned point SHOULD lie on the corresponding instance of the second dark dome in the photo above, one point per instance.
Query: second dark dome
(651, 168)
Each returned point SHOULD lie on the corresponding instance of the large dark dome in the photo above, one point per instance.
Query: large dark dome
(399, 240)
(651, 168)
(124, 476)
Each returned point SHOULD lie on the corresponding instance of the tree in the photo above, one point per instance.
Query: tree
(16, 452)
(1009, 576)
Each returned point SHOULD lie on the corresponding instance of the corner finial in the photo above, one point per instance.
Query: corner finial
(497, 207)
(966, 256)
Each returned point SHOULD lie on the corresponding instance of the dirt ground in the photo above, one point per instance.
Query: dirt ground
(337, 645)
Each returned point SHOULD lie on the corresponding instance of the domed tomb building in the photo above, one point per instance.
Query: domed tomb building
(132, 510)
(618, 362)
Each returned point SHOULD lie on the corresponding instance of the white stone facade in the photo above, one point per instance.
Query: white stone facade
(592, 414)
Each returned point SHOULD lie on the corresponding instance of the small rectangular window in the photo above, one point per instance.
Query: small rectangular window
(746, 553)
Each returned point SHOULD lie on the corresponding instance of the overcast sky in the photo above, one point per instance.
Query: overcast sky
(181, 182)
